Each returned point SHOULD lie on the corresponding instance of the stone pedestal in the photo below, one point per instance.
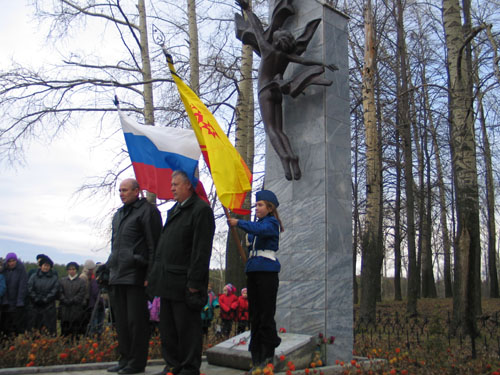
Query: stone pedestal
(315, 292)
(234, 352)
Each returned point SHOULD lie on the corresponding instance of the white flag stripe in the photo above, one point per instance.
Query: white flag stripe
(168, 139)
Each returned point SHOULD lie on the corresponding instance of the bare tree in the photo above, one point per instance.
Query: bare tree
(467, 250)
(372, 251)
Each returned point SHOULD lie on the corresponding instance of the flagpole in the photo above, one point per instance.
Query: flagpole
(159, 39)
(236, 238)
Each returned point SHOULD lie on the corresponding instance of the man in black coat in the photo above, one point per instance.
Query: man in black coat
(180, 277)
(136, 229)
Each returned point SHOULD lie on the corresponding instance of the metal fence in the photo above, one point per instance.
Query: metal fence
(398, 330)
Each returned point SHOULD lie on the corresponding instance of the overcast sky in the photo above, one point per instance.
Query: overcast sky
(38, 210)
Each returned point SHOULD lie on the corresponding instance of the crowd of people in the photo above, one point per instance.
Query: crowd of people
(28, 300)
(155, 277)
(233, 312)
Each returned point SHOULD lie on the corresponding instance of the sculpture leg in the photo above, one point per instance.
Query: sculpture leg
(270, 106)
(292, 158)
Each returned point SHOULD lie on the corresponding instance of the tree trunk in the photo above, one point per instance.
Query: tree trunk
(490, 203)
(403, 122)
(194, 57)
(372, 254)
(245, 146)
(448, 289)
(149, 114)
(428, 282)
(422, 230)
(397, 223)
(467, 291)
(355, 219)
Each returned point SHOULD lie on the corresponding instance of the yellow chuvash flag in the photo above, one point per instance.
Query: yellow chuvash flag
(230, 174)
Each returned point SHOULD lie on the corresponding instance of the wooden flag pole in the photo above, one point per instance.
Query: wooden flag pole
(236, 238)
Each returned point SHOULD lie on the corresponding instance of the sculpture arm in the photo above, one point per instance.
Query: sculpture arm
(254, 23)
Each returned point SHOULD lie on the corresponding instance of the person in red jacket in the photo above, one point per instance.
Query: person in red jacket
(228, 302)
(242, 311)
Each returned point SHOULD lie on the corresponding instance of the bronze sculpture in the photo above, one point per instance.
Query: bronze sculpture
(277, 48)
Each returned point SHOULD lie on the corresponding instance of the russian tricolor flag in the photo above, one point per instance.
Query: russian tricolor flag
(156, 152)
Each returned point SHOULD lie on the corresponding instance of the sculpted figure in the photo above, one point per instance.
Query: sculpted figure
(277, 48)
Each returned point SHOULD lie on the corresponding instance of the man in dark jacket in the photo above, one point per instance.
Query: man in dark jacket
(136, 228)
(180, 277)
(13, 302)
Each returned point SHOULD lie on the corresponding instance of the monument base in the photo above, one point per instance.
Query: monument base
(299, 349)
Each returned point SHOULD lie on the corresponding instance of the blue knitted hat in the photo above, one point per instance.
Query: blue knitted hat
(267, 195)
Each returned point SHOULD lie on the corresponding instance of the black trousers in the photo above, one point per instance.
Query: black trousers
(130, 308)
(181, 337)
(45, 317)
(262, 289)
(13, 320)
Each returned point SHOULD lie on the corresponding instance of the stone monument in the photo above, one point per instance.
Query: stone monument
(315, 292)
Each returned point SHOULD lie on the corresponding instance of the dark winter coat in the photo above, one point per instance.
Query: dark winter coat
(16, 280)
(136, 228)
(43, 288)
(72, 299)
(182, 257)
(3, 285)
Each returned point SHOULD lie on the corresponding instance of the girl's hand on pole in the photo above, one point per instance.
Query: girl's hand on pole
(232, 222)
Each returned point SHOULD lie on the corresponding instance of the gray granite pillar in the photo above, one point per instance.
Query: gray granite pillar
(315, 293)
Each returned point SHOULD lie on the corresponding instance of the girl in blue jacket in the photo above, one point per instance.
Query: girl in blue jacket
(262, 270)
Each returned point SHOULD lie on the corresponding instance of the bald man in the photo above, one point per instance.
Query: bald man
(136, 228)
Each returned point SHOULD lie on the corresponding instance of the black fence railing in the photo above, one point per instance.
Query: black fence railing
(398, 330)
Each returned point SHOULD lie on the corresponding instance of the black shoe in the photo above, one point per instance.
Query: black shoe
(115, 368)
(131, 370)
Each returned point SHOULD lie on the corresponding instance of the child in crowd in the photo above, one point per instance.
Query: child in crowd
(228, 308)
(154, 314)
(207, 314)
(242, 311)
(262, 270)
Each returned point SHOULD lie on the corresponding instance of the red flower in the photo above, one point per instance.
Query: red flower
(95, 345)
(30, 364)
(282, 358)
(353, 362)
(393, 372)
(282, 330)
(63, 355)
(320, 335)
(332, 339)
